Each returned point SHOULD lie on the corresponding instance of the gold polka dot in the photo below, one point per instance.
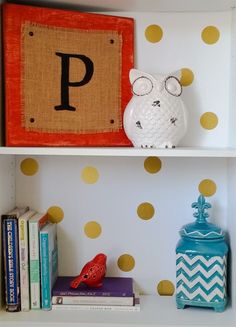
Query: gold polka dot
(126, 262)
(187, 77)
(165, 288)
(90, 175)
(210, 34)
(152, 165)
(55, 214)
(29, 166)
(92, 229)
(207, 187)
(209, 120)
(145, 210)
(154, 33)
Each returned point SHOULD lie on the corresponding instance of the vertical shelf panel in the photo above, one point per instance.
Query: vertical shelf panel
(232, 227)
(7, 192)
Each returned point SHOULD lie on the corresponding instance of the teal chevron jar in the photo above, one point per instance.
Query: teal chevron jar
(201, 262)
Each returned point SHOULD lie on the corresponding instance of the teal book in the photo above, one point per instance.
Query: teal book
(49, 263)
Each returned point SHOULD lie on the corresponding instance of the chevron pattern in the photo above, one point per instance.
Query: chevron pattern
(200, 278)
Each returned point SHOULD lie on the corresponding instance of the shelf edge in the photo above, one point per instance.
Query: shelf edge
(122, 152)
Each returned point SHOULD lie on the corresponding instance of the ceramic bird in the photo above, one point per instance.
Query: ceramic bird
(92, 273)
(155, 117)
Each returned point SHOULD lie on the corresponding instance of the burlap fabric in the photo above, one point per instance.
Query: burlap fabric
(97, 103)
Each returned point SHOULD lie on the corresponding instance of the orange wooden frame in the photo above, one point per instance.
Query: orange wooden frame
(13, 18)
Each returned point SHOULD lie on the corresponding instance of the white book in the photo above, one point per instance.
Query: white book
(35, 224)
(79, 307)
(24, 259)
(93, 300)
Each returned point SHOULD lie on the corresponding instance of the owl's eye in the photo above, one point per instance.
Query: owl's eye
(142, 86)
(173, 86)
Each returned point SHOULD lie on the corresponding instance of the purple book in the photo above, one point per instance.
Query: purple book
(112, 286)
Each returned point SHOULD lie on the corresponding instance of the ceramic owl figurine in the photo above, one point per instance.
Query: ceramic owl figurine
(155, 117)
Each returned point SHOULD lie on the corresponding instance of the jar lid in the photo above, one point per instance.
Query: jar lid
(201, 229)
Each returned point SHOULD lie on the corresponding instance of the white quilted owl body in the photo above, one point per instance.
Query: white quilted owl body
(155, 117)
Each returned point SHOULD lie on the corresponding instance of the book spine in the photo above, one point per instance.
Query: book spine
(24, 264)
(45, 272)
(78, 307)
(34, 265)
(92, 293)
(91, 300)
(11, 264)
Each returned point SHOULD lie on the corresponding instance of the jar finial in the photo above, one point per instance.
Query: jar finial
(201, 205)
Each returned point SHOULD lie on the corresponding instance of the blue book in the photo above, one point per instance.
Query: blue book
(49, 263)
(11, 258)
(111, 286)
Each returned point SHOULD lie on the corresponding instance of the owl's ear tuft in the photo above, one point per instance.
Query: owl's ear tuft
(177, 74)
(142, 83)
(135, 73)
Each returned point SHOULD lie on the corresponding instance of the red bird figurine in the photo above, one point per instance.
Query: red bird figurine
(92, 273)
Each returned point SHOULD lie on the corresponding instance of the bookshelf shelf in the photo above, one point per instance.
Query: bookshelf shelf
(155, 311)
(147, 5)
(122, 182)
(206, 152)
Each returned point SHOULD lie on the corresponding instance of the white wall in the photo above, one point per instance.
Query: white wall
(112, 201)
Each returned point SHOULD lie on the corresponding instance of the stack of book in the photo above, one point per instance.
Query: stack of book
(27, 236)
(31, 271)
(115, 294)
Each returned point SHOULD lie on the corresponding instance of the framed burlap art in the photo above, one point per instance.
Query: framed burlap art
(66, 75)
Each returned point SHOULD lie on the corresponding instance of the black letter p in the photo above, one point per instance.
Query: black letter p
(65, 81)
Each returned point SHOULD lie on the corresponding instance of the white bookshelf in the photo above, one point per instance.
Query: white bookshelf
(123, 182)
(122, 152)
(148, 5)
(154, 313)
